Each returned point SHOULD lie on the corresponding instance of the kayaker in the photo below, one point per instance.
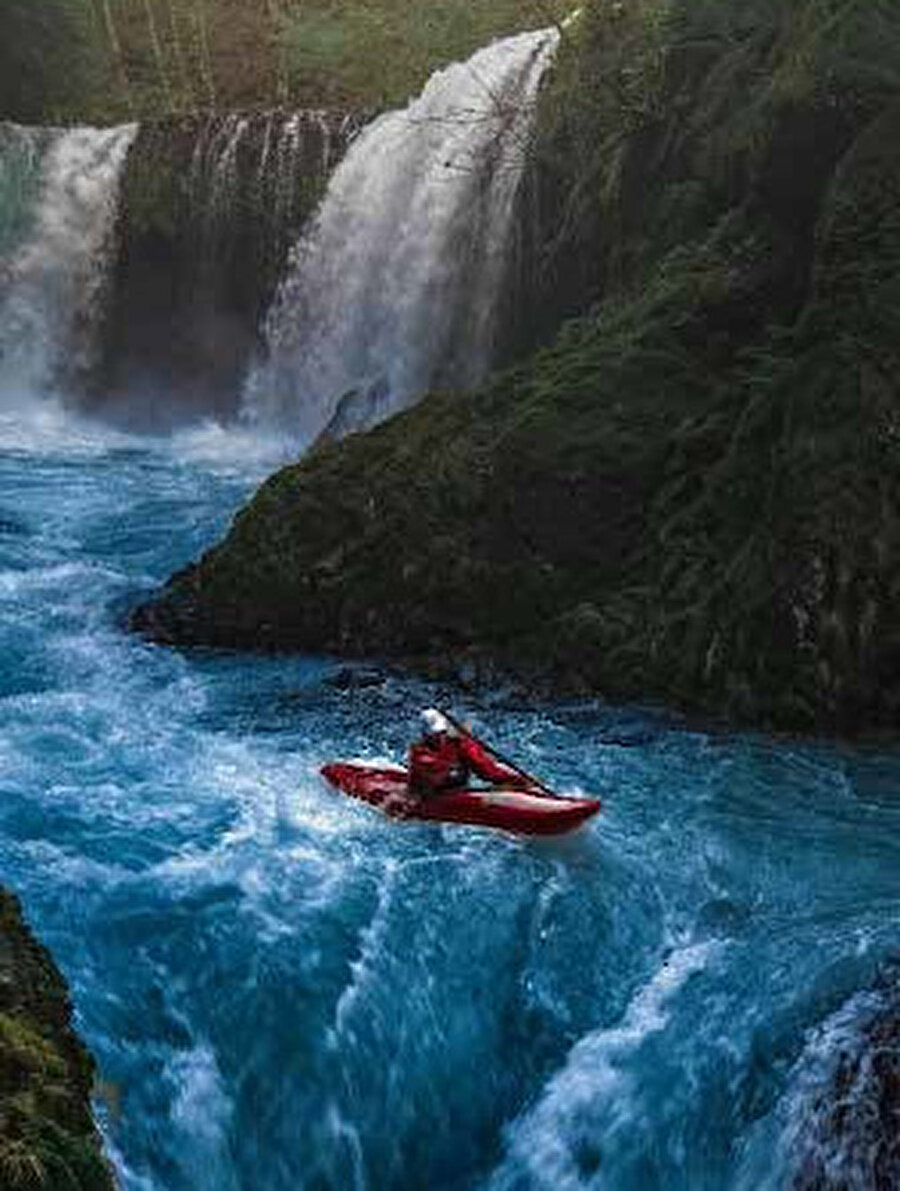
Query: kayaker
(445, 758)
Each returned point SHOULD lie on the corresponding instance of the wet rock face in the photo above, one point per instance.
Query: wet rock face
(853, 1138)
(47, 1135)
(210, 208)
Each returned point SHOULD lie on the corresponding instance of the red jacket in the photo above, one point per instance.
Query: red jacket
(445, 762)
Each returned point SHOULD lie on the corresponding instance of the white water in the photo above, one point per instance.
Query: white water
(593, 1094)
(394, 287)
(21, 153)
(53, 286)
(285, 991)
(832, 1126)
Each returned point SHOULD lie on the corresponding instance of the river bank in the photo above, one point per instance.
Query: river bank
(47, 1135)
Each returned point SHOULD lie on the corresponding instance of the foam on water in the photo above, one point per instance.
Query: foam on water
(233, 448)
(833, 1124)
(202, 1112)
(31, 426)
(594, 1100)
(290, 993)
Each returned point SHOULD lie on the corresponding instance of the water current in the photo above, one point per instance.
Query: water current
(286, 992)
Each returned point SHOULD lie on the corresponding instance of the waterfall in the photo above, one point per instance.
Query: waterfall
(212, 206)
(393, 288)
(53, 276)
(21, 154)
(260, 166)
(159, 281)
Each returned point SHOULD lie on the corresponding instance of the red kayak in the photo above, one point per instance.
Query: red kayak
(529, 812)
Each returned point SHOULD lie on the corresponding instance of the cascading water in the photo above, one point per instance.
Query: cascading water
(54, 278)
(21, 154)
(212, 206)
(394, 287)
(141, 259)
(835, 1125)
(256, 166)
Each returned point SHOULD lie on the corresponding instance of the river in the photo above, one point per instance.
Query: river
(285, 991)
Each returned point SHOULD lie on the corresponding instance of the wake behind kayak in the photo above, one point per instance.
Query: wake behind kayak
(529, 811)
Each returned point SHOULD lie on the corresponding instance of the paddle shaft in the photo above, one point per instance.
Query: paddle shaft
(500, 757)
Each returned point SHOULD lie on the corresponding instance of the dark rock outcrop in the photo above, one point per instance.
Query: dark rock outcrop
(48, 1139)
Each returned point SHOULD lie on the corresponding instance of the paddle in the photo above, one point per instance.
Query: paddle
(464, 731)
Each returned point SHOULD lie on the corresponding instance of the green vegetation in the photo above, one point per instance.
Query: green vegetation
(47, 1137)
(691, 492)
(51, 60)
(377, 53)
(106, 61)
(111, 60)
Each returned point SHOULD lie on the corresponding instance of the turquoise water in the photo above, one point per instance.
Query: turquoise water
(286, 992)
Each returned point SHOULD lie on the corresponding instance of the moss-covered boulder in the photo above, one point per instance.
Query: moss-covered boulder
(691, 493)
(48, 1141)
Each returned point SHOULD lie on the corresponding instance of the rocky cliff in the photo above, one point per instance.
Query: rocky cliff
(690, 493)
(47, 1136)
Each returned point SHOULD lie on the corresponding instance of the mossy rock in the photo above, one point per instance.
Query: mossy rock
(48, 1140)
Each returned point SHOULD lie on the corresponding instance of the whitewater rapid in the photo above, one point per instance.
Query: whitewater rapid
(286, 992)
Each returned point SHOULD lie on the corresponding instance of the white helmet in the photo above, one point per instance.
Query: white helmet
(435, 721)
